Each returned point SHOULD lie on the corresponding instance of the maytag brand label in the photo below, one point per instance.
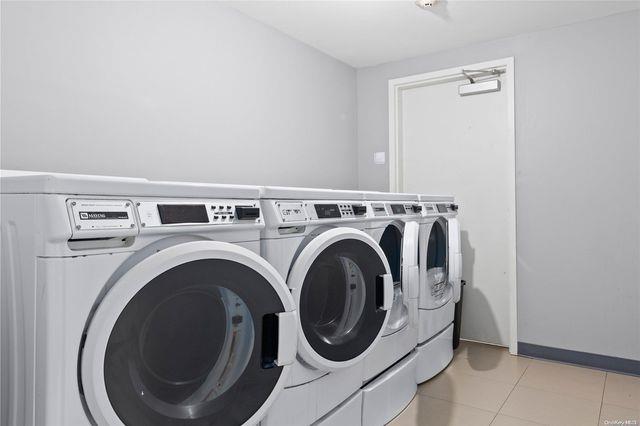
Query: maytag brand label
(103, 215)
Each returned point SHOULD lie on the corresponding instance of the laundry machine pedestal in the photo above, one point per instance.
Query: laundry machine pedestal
(434, 355)
(386, 397)
(347, 414)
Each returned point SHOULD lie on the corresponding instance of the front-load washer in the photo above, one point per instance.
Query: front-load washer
(440, 275)
(342, 287)
(394, 225)
(126, 301)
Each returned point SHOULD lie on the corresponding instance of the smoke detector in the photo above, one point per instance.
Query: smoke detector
(426, 4)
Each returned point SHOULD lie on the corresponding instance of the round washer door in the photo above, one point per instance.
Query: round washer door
(343, 289)
(200, 333)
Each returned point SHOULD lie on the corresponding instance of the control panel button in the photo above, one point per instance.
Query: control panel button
(346, 210)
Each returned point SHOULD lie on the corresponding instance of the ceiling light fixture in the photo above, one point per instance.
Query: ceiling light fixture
(426, 4)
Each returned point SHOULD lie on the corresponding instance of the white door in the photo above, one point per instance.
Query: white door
(462, 146)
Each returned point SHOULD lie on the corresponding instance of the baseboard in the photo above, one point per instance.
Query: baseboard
(603, 362)
(485, 343)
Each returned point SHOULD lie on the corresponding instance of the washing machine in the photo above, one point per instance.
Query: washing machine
(440, 276)
(389, 384)
(126, 301)
(343, 290)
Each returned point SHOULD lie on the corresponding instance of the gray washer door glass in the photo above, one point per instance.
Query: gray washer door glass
(437, 259)
(391, 245)
(437, 247)
(195, 346)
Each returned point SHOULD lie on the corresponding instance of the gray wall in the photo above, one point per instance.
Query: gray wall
(201, 92)
(577, 94)
(182, 91)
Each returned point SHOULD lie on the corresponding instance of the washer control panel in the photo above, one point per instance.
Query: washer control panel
(379, 209)
(396, 209)
(205, 212)
(305, 211)
(436, 209)
(341, 210)
(429, 209)
(405, 209)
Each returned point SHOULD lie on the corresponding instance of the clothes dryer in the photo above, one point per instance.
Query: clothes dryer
(440, 276)
(126, 301)
(342, 286)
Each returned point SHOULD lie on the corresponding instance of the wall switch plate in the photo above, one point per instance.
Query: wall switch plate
(379, 157)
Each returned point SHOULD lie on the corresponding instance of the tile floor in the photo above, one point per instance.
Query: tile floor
(485, 385)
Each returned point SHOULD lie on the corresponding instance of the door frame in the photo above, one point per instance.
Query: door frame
(396, 88)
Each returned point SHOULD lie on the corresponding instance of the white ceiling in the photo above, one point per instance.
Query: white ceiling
(364, 33)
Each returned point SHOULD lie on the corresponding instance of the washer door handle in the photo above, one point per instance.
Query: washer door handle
(410, 281)
(385, 292)
(287, 337)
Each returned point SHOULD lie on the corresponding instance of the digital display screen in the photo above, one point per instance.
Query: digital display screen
(327, 211)
(442, 208)
(247, 212)
(182, 213)
(397, 209)
(359, 210)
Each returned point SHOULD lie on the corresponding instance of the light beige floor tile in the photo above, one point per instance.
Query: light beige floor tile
(502, 420)
(492, 365)
(622, 390)
(565, 379)
(550, 408)
(478, 392)
(612, 415)
(426, 411)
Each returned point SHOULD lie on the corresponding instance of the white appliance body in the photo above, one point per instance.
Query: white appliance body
(127, 301)
(342, 286)
(440, 279)
(389, 371)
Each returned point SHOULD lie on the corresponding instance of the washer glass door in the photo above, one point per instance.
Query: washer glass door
(437, 263)
(342, 284)
(195, 345)
(391, 243)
